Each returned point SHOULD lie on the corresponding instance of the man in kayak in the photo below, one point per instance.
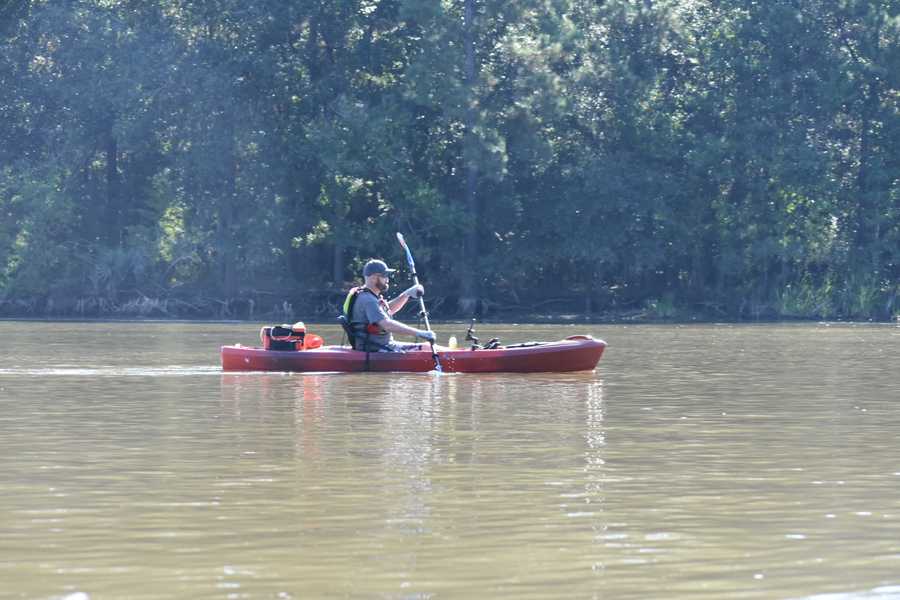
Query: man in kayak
(370, 314)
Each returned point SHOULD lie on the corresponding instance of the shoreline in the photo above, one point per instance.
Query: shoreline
(323, 306)
(557, 319)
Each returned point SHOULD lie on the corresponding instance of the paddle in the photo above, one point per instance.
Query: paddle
(412, 267)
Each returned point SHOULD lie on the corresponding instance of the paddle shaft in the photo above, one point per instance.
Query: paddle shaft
(421, 302)
(412, 267)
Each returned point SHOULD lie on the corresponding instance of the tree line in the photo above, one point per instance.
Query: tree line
(731, 158)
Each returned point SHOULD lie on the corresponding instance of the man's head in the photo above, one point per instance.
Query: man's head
(377, 274)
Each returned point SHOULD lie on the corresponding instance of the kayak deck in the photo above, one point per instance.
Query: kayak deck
(577, 353)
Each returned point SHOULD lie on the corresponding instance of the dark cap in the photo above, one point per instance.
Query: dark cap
(377, 266)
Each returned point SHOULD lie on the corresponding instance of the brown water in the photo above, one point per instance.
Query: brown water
(700, 461)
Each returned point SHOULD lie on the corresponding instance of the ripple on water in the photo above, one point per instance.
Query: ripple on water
(888, 592)
(113, 371)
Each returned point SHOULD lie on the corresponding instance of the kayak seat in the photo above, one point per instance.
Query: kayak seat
(348, 331)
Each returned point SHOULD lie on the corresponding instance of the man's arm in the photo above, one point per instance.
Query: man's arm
(398, 327)
(399, 302)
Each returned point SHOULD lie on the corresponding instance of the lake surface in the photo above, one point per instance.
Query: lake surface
(738, 461)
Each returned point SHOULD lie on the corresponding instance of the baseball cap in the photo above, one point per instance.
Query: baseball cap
(377, 266)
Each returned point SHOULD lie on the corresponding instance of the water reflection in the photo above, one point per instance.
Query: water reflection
(478, 466)
(595, 466)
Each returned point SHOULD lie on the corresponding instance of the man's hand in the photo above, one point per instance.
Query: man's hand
(428, 336)
(415, 291)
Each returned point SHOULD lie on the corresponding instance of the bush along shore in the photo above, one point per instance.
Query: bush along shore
(325, 304)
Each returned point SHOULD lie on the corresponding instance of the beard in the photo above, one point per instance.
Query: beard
(382, 286)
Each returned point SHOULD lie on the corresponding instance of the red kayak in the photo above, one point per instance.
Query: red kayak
(576, 353)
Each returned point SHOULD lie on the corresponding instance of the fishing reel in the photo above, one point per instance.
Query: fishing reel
(470, 337)
(470, 334)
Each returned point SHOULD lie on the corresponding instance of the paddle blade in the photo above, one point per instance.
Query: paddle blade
(409, 257)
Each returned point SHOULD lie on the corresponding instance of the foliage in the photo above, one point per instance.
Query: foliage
(733, 158)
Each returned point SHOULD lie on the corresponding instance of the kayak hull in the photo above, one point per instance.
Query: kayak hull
(577, 353)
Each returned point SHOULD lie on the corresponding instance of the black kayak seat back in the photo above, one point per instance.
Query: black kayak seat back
(348, 330)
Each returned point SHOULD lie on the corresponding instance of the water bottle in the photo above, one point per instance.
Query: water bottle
(452, 342)
(298, 330)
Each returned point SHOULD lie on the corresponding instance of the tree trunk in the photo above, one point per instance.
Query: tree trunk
(470, 276)
(113, 234)
(337, 266)
(866, 229)
(225, 227)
